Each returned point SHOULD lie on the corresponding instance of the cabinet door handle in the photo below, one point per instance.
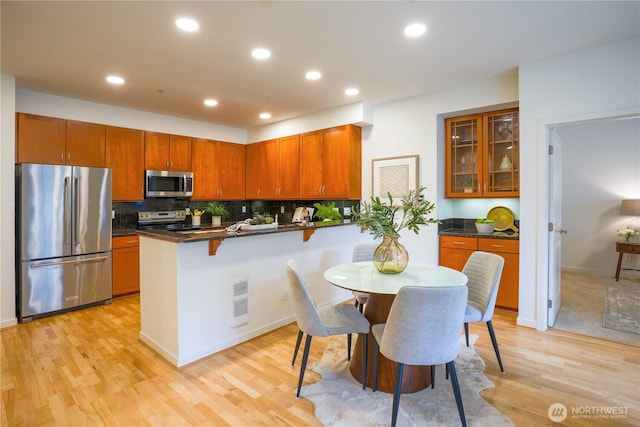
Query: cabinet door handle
(68, 158)
(61, 157)
(459, 243)
(498, 246)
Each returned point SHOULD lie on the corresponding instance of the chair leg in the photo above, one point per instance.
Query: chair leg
(376, 349)
(364, 361)
(396, 394)
(361, 308)
(295, 351)
(433, 376)
(305, 356)
(456, 392)
(494, 341)
(466, 333)
(349, 347)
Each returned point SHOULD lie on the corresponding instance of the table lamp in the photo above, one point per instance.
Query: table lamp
(631, 207)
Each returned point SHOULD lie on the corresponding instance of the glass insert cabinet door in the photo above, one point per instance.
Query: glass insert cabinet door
(482, 155)
(463, 156)
(502, 154)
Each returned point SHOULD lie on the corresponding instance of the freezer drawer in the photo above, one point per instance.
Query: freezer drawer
(62, 283)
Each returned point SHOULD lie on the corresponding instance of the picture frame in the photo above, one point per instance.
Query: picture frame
(395, 175)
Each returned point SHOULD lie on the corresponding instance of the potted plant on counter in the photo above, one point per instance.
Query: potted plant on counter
(485, 226)
(386, 220)
(217, 211)
(328, 214)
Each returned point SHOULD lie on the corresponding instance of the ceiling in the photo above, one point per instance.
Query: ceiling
(68, 48)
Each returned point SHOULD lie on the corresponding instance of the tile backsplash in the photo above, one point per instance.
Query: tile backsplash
(126, 213)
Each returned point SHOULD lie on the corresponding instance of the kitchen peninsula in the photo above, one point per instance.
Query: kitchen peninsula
(194, 303)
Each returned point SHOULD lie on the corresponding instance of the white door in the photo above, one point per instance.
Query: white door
(555, 225)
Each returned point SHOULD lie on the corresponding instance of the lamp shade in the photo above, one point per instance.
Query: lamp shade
(630, 207)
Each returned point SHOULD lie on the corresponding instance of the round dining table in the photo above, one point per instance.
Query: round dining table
(382, 288)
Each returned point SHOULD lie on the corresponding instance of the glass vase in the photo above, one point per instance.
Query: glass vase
(390, 256)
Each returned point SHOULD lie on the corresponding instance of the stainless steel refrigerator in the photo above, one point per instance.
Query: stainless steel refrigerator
(63, 238)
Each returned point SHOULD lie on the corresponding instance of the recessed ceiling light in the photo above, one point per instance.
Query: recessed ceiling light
(187, 24)
(115, 80)
(265, 115)
(313, 75)
(210, 102)
(352, 91)
(261, 53)
(415, 30)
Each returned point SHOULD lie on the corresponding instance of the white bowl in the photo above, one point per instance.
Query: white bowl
(485, 228)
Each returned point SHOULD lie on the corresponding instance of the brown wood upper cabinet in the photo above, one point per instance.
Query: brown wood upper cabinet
(273, 169)
(331, 163)
(482, 155)
(125, 157)
(167, 152)
(60, 142)
(40, 139)
(218, 170)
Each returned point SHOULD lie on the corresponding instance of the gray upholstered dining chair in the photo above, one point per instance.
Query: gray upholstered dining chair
(363, 252)
(339, 319)
(484, 271)
(423, 328)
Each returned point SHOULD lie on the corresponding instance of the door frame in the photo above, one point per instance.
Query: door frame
(542, 218)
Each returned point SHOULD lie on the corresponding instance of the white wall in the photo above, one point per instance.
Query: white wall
(7, 202)
(600, 167)
(598, 82)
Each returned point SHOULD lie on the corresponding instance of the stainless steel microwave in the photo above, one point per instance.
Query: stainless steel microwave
(168, 184)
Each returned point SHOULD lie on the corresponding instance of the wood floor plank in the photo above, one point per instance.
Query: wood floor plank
(89, 368)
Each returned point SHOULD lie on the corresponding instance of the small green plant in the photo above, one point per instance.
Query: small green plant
(484, 221)
(217, 209)
(327, 212)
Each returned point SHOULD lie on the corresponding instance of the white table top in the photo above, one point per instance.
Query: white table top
(363, 277)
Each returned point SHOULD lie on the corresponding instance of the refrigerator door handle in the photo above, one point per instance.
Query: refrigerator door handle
(37, 264)
(67, 211)
(76, 204)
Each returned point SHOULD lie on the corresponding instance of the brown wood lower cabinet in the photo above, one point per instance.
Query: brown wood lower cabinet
(456, 250)
(125, 265)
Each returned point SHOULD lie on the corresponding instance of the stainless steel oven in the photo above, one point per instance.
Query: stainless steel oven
(168, 184)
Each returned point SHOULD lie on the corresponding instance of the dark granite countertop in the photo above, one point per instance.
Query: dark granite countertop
(471, 232)
(220, 233)
(123, 232)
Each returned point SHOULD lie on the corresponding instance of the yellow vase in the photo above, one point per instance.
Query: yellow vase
(390, 257)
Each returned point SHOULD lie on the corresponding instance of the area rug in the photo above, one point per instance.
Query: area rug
(340, 401)
(622, 306)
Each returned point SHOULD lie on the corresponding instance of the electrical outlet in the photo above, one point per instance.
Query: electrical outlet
(285, 294)
(113, 214)
(347, 211)
(244, 209)
(281, 209)
(187, 211)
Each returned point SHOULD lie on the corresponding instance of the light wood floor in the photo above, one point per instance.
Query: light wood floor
(88, 368)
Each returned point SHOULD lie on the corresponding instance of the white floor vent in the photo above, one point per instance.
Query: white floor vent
(240, 303)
